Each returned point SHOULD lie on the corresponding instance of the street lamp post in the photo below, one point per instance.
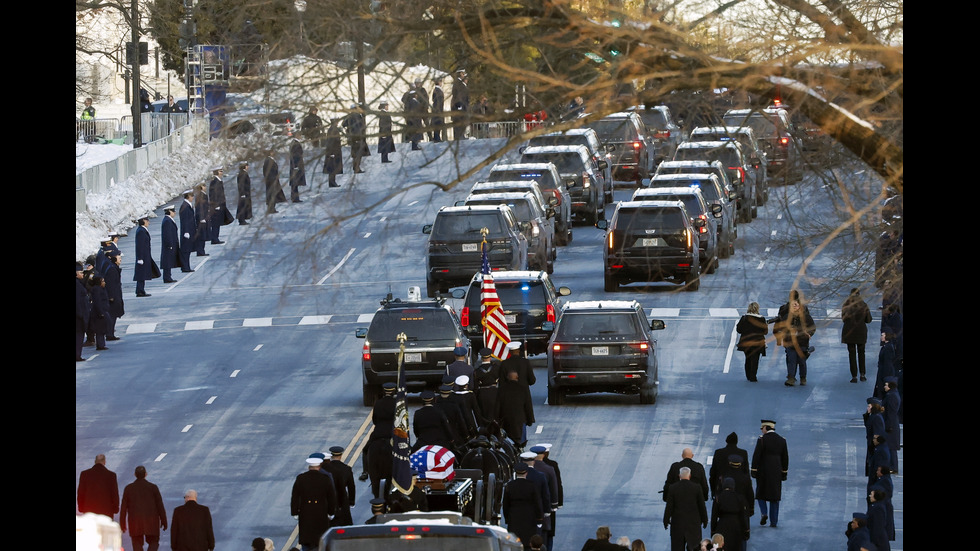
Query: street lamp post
(300, 10)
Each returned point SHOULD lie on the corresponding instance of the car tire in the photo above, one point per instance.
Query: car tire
(561, 236)
(556, 396)
(755, 212)
(431, 288)
(713, 265)
(648, 396)
(370, 394)
(725, 249)
(693, 281)
(610, 285)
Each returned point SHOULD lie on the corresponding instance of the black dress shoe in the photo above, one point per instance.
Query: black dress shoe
(187, 270)
(112, 338)
(144, 295)
(334, 185)
(243, 222)
(102, 348)
(358, 172)
(203, 254)
(170, 281)
(217, 242)
(363, 477)
(763, 520)
(297, 201)
(79, 359)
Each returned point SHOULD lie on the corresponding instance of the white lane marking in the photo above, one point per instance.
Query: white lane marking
(772, 233)
(412, 203)
(203, 324)
(761, 265)
(337, 267)
(314, 320)
(779, 216)
(211, 400)
(187, 428)
(665, 312)
(723, 312)
(365, 318)
(715, 429)
(257, 322)
(833, 313)
(731, 349)
(768, 249)
(161, 456)
(141, 328)
(368, 234)
(257, 347)
(721, 399)
(235, 373)
(539, 429)
(383, 218)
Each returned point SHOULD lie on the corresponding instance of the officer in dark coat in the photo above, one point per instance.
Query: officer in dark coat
(438, 105)
(467, 403)
(383, 417)
(333, 162)
(297, 170)
(244, 212)
(355, 126)
(460, 105)
(698, 476)
(770, 463)
(100, 311)
(730, 516)
(874, 423)
(878, 520)
(893, 431)
(413, 116)
(144, 258)
(517, 361)
(858, 537)
(169, 244)
(540, 479)
(856, 316)
(113, 288)
(312, 127)
(270, 172)
(521, 505)
(684, 512)
(191, 528)
(188, 229)
(386, 143)
(218, 204)
(343, 481)
(202, 217)
(430, 424)
(83, 308)
(514, 407)
(445, 402)
(98, 491)
(486, 376)
(313, 502)
(719, 462)
(141, 512)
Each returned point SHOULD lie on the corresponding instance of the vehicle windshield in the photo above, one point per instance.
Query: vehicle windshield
(727, 156)
(466, 225)
(690, 201)
(759, 123)
(558, 139)
(582, 325)
(638, 219)
(415, 540)
(653, 118)
(564, 162)
(544, 179)
(417, 324)
(514, 295)
(522, 210)
(618, 130)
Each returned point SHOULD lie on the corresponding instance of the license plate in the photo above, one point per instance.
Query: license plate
(600, 350)
(413, 357)
(510, 318)
(652, 242)
(470, 247)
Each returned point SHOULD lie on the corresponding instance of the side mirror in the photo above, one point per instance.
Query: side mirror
(548, 326)
(699, 222)
(458, 293)
(602, 224)
(521, 149)
(552, 200)
(657, 325)
(524, 225)
(564, 291)
(457, 204)
(603, 165)
(716, 210)
(360, 332)
(570, 183)
(549, 212)
(427, 229)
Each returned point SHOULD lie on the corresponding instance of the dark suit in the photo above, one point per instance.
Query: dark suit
(437, 120)
(343, 481)
(297, 170)
(521, 508)
(218, 207)
(202, 218)
(142, 507)
(730, 518)
(270, 172)
(113, 288)
(191, 528)
(169, 243)
(83, 308)
(697, 476)
(188, 229)
(142, 271)
(244, 211)
(98, 491)
(431, 427)
(685, 513)
(314, 501)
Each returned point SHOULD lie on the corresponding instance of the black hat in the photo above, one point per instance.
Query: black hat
(893, 380)
(860, 516)
(520, 467)
(389, 388)
(377, 504)
(427, 396)
(336, 450)
(486, 352)
(875, 401)
(445, 389)
(728, 483)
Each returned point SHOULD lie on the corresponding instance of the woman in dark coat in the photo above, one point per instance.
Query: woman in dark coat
(752, 329)
(386, 143)
(856, 316)
(333, 162)
(729, 515)
(113, 288)
(100, 311)
(244, 211)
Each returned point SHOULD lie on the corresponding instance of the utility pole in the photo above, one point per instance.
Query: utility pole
(137, 116)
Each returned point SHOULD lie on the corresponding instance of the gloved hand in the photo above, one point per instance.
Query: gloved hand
(187, 236)
(139, 262)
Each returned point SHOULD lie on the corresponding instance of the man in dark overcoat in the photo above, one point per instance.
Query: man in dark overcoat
(343, 481)
(430, 425)
(99, 322)
(486, 376)
(142, 513)
(413, 118)
(188, 229)
(460, 105)
(856, 316)
(297, 170)
(219, 205)
(83, 308)
(719, 462)
(437, 121)
(333, 162)
(730, 515)
(169, 244)
(270, 172)
(144, 258)
(521, 505)
(685, 513)
(770, 463)
(383, 417)
(191, 528)
(540, 479)
(244, 212)
(697, 473)
(312, 127)
(113, 288)
(202, 217)
(893, 431)
(98, 491)
(313, 502)
(355, 126)
(386, 142)
(445, 402)
(514, 407)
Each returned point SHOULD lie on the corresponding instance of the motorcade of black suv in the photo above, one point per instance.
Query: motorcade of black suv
(579, 136)
(629, 150)
(651, 241)
(714, 194)
(574, 162)
(698, 208)
(736, 164)
(529, 300)
(548, 181)
(432, 330)
(750, 146)
(665, 134)
(774, 130)
(454, 248)
(535, 221)
(603, 346)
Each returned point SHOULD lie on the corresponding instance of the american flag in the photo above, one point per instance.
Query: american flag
(495, 332)
(434, 463)
(401, 446)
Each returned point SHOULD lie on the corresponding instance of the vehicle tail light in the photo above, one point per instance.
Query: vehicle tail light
(366, 352)
(784, 141)
(464, 316)
(704, 228)
(777, 102)
(741, 173)
(558, 195)
(551, 313)
(637, 145)
(556, 348)
(662, 134)
(586, 181)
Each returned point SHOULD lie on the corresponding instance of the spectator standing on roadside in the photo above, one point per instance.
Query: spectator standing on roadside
(856, 316)
(218, 204)
(270, 173)
(141, 513)
(202, 214)
(244, 211)
(333, 162)
(188, 229)
(88, 121)
(386, 142)
(146, 268)
(437, 122)
(460, 104)
(355, 126)
(312, 127)
(169, 244)
(297, 170)
(98, 491)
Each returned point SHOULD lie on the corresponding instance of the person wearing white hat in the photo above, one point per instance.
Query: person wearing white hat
(313, 502)
(145, 268)
(468, 404)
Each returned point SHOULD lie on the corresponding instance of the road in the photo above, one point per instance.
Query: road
(227, 380)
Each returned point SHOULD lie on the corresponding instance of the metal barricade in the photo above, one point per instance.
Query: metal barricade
(498, 129)
(90, 130)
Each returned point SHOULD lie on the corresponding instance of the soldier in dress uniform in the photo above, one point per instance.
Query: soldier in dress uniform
(313, 503)
(383, 417)
(485, 379)
(430, 425)
(553, 488)
(770, 463)
(467, 403)
(169, 243)
(445, 402)
(377, 509)
(343, 481)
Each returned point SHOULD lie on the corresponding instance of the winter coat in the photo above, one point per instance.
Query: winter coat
(856, 316)
(752, 330)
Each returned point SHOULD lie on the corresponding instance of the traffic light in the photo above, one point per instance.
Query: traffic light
(144, 54)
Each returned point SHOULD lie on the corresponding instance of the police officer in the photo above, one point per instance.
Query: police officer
(770, 463)
(383, 417)
(430, 425)
(485, 378)
(343, 480)
(313, 503)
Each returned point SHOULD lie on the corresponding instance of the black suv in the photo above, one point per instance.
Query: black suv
(455, 239)
(529, 300)
(774, 131)
(651, 241)
(432, 330)
(629, 150)
(665, 135)
(603, 346)
(740, 172)
(579, 168)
